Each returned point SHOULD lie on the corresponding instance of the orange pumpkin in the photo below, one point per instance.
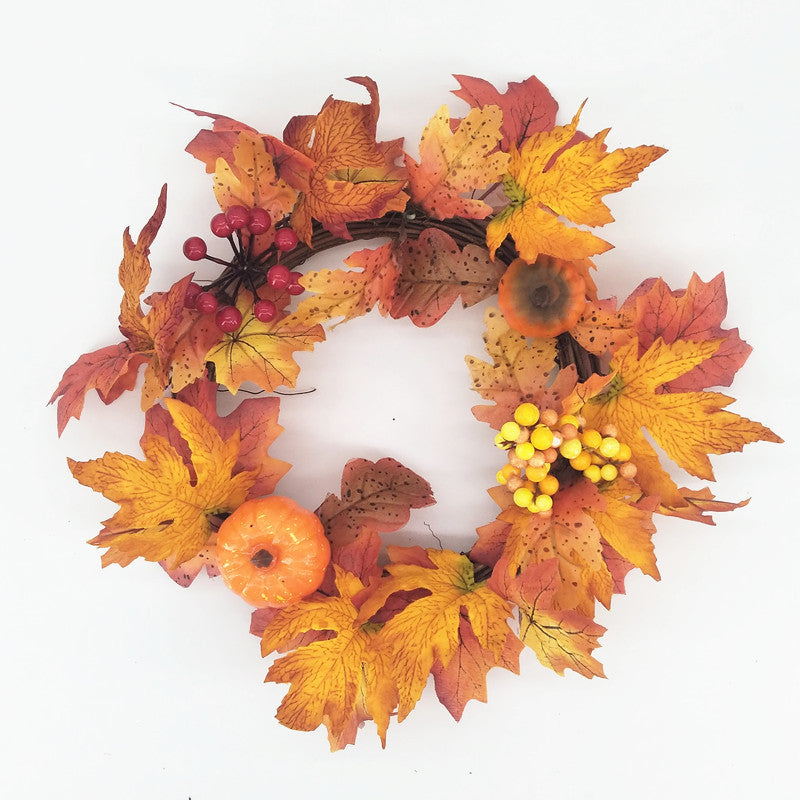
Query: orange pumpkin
(272, 551)
(542, 299)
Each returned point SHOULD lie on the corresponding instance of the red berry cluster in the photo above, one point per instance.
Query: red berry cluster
(246, 268)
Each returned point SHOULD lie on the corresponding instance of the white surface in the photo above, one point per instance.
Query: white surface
(119, 684)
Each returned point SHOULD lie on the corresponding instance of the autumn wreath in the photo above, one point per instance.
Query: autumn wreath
(500, 202)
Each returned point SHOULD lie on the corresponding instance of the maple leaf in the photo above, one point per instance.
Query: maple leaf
(149, 338)
(527, 107)
(571, 536)
(626, 523)
(518, 372)
(262, 352)
(370, 280)
(427, 629)
(164, 508)
(354, 177)
(694, 314)
(433, 272)
(337, 681)
(453, 164)
(696, 502)
(687, 425)
(602, 328)
(464, 678)
(377, 495)
(561, 639)
(572, 187)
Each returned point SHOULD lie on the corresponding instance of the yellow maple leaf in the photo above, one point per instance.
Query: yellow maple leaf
(687, 425)
(427, 629)
(517, 374)
(251, 179)
(339, 681)
(453, 163)
(164, 512)
(261, 352)
(541, 190)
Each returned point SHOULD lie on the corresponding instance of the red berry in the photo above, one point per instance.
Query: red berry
(228, 319)
(260, 221)
(279, 277)
(206, 303)
(285, 239)
(194, 248)
(237, 216)
(294, 286)
(264, 310)
(193, 291)
(220, 226)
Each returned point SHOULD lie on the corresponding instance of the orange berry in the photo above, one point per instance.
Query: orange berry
(592, 438)
(627, 470)
(526, 414)
(624, 452)
(548, 484)
(581, 461)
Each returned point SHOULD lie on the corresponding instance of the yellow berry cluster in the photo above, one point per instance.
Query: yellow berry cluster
(536, 439)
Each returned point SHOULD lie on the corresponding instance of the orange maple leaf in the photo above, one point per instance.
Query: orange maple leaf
(454, 163)
(602, 328)
(164, 506)
(561, 639)
(572, 187)
(337, 681)
(518, 372)
(262, 352)
(687, 425)
(427, 629)
(354, 177)
(571, 536)
(149, 338)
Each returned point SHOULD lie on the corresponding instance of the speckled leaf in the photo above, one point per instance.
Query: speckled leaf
(518, 372)
(455, 163)
(602, 328)
(433, 272)
(378, 495)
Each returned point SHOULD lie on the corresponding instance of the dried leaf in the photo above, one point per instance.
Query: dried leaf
(528, 107)
(338, 681)
(378, 495)
(164, 507)
(427, 630)
(453, 164)
(572, 188)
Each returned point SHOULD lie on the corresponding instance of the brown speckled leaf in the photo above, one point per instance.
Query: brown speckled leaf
(378, 495)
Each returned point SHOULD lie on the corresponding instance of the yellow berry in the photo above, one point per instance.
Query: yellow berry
(500, 478)
(525, 450)
(624, 452)
(581, 461)
(544, 502)
(535, 474)
(526, 414)
(549, 417)
(542, 438)
(532, 507)
(592, 438)
(501, 442)
(510, 431)
(608, 472)
(567, 419)
(548, 484)
(523, 497)
(571, 448)
(609, 447)
(592, 473)
(509, 471)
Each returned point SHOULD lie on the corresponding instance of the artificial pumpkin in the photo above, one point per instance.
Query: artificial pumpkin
(272, 551)
(541, 299)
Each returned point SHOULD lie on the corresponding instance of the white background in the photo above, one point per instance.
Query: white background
(118, 683)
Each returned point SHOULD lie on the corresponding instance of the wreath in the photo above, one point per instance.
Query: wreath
(504, 202)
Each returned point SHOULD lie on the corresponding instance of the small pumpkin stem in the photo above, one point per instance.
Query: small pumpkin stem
(261, 559)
